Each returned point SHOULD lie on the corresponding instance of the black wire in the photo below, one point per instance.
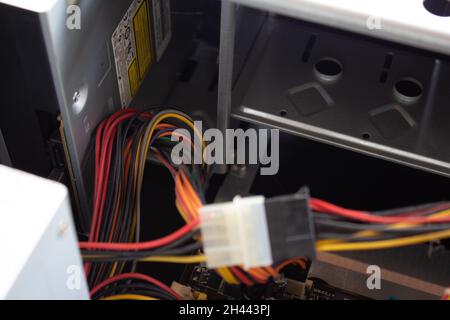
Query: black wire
(101, 271)
(114, 182)
(137, 255)
(117, 169)
(133, 287)
(350, 238)
(248, 275)
(132, 129)
(387, 228)
(425, 209)
(131, 196)
(343, 230)
(194, 183)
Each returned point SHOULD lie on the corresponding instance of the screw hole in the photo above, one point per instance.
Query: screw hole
(366, 136)
(283, 113)
(439, 8)
(408, 90)
(328, 69)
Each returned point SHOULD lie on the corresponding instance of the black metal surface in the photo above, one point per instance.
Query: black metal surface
(28, 111)
(388, 100)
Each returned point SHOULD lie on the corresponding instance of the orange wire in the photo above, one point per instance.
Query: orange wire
(259, 272)
(298, 261)
(272, 272)
(182, 192)
(256, 276)
(190, 191)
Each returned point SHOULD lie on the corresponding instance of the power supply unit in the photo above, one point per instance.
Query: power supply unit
(40, 209)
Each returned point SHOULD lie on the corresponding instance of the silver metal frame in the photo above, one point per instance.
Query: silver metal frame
(424, 112)
(402, 21)
(226, 67)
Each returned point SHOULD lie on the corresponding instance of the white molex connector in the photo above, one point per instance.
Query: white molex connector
(236, 233)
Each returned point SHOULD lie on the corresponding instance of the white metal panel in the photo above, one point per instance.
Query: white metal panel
(402, 21)
(31, 5)
(38, 243)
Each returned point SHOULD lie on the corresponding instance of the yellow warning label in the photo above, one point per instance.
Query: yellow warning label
(133, 76)
(132, 46)
(141, 26)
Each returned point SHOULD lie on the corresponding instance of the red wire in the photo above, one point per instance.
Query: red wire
(143, 245)
(97, 155)
(96, 179)
(103, 189)
(98, 171)
(98, 140)
(104, 161)
(322, 206)
(427, 211)
(259, 279)
(242, 277)
(106, 135)
(136, 276)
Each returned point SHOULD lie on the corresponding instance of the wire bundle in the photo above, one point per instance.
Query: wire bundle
(133, 286)
(341, 229)
(122, 146)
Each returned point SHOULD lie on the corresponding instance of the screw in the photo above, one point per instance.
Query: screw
(76, 96)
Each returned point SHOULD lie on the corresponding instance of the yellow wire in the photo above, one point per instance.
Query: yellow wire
(223, 275)
(194, 259)
(162, 118)
(370, 233)
(226, 274)
(113, 270)
(128, 297)
(385, 244)
(404, 225)
(181, 211)
(174, 259)
(162, 259)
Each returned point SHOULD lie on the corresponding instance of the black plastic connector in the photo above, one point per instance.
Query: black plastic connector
(291, 226)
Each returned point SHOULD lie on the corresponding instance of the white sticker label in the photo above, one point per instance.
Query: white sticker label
(131, 42)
